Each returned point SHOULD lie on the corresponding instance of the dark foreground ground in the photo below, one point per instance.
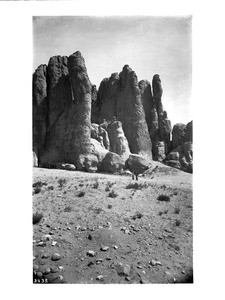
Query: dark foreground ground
(100, 228)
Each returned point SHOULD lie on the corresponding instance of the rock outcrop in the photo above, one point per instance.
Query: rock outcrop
(68, 110)
(181, 156)
(40, 108)
(164, 124)
(75, 124)
(112, 163)
(118, 141)
(178, 134)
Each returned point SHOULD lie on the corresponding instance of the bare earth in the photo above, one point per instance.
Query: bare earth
(135, 238)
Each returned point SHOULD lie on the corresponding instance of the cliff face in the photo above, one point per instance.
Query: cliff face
(66, 103)
(68, 110)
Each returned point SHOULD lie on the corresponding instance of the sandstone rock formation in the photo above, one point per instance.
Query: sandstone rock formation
(73, 123)
(68, 110)
(118, 141)
(178, 134)
(164, 124)
(112, 163)
(40, 108)
(181, 156)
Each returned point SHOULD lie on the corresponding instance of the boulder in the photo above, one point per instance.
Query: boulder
(99, 151)
(112, 163)
(94, 131)
(178, 134)
(118, 141)
(63, 166)
(35, 160)
(137, 164)
(181, 157)
(88, 163)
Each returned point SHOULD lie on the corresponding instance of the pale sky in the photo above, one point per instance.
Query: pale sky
(149, 45)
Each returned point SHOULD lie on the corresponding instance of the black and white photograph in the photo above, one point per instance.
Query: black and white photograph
(112, 150)
(101, 196)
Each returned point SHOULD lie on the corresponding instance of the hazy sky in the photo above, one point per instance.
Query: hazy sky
(149, 45)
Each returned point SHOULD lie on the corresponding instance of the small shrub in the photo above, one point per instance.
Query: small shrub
(163, 186)
(112, 194)
(137, 215)
(61, 182)
(176, 210)
(51, 187)
(81, 194)
(39, 184)
(109, 206)
(137, 186)
(165, 211)
(175, 193)
(163, 198)
(96, 184)
(109, 185)
(160, 213)
(37, 189)
(37, 217)
(98, 210)
(177, 222)
(68, 209)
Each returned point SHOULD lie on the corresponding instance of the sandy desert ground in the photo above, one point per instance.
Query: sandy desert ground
(100, 228)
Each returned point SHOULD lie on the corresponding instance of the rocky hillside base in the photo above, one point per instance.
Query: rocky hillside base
(101, 228)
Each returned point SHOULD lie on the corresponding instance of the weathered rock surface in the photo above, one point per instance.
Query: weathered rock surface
(112, 163)
(164, 124)
(188, 134)
(107, 97)
(35, 160)
(178, 134)
(69, 110)
(40, 108)
(88, 162)
(99, 151)
(130, 112)
(118, 141)
(181, 157)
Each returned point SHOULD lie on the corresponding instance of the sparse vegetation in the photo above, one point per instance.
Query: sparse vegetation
(96, 183)
(137, 215)
(163, 198)
(68, 209)
(109, 185)
(176, 210)
(37, 189)
(98, 210)
(37, 217)
(112, 194)
(61, 182)
(178, 222)
(39, 184)
(51, 187)
(81, 194)
(137, 186)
